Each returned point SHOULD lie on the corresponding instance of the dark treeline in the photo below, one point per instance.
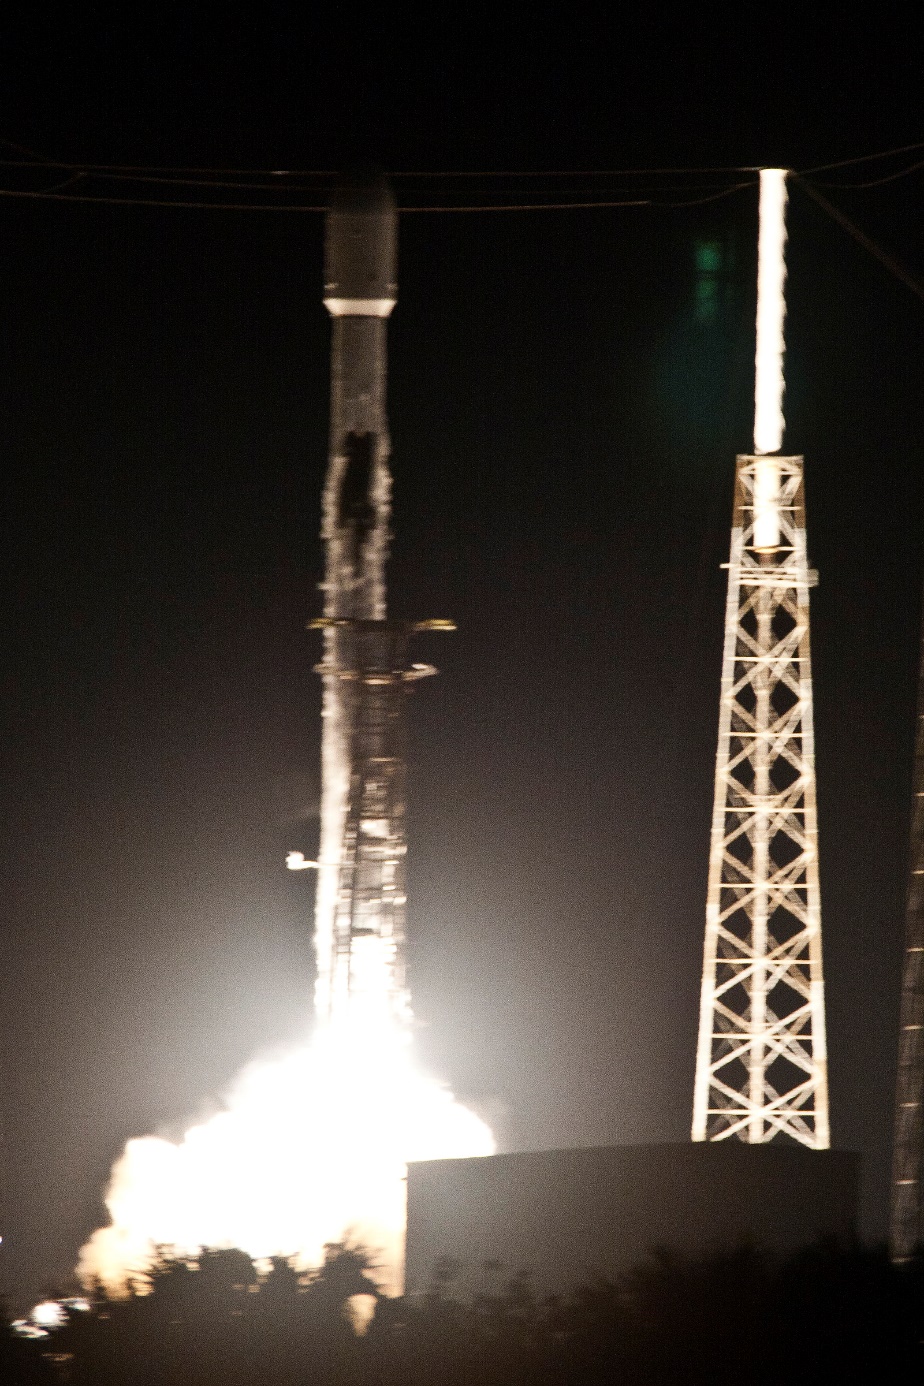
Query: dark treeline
(827, 1314)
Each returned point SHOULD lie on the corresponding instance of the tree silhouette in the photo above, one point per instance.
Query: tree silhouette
(743, 1317)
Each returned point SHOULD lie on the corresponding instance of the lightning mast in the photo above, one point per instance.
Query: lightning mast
(761, 1065)
(906, 1231)
(360, 901)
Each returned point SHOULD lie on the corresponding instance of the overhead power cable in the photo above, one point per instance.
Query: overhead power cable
(290, 183)
(532, 206)
(40, 161)
(162, 202)
(55, 194)
(143, 169)
(878, 182)
(36, 160)
(889, 261)
(864, 159)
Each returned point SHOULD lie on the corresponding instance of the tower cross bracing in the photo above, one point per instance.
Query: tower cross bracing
(761, 1071)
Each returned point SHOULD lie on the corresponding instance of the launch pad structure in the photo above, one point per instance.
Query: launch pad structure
(761, 1069)
(759, 1170)
(761, 1057)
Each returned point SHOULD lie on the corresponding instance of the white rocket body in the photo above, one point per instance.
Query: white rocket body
(359, 911)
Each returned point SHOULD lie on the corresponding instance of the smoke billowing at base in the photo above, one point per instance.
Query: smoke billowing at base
(313, 1147)
(309, 1148)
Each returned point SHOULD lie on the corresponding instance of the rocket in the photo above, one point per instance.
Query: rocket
(360, 900)
(360, 291)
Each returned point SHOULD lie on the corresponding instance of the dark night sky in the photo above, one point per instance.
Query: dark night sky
(564, 432)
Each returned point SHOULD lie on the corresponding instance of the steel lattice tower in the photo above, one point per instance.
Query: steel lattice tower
(906, 1230)
(761, 1066)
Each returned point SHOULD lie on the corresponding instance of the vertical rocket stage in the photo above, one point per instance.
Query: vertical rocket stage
(313, 1146)
(360, 906)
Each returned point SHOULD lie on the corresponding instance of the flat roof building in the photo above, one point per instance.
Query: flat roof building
(566, 1215)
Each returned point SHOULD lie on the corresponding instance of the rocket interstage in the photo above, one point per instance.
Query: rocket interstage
(360, 902)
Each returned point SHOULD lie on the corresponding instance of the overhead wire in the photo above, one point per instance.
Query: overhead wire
(530, 206)
(889, 261)
(161, 202)
(283, 182)
(54, 195)
(878, 182)
(571, 173)
(38, 160)
(863, 159)
(573, 206)
(173, 179)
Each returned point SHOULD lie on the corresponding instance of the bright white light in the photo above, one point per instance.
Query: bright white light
(49, 1314)
(766, 505)
(771, 312)
(24, 1328)
(310, 1147)
(296, 861)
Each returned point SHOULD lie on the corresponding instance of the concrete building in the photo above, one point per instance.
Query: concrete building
(565, 1215)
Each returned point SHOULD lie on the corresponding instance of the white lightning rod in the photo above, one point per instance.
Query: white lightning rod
(768, 360)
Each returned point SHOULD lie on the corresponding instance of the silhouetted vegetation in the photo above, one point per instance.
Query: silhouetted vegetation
(744, 1318)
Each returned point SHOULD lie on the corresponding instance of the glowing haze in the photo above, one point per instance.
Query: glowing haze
(310, 1148)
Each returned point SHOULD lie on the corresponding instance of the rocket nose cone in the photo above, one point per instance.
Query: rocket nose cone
(360, 248)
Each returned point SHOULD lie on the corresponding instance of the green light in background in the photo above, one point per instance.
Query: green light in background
(708, 260)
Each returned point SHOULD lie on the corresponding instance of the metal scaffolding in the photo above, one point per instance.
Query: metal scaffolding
(761, 1070)
(906, 1231)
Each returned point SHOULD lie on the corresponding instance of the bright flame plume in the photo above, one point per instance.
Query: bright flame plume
(310, 1147)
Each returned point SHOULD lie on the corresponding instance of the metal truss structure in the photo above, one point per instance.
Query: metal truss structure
(761, 1070)
(906, 1231)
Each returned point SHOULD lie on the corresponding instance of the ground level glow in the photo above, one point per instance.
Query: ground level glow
(310, 1148)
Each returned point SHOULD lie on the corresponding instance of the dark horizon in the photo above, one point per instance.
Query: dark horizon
(565, 413)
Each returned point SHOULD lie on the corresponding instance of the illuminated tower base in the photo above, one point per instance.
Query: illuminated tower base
(761, 1071)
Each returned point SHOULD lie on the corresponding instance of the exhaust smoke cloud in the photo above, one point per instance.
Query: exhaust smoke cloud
(310, 1148)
